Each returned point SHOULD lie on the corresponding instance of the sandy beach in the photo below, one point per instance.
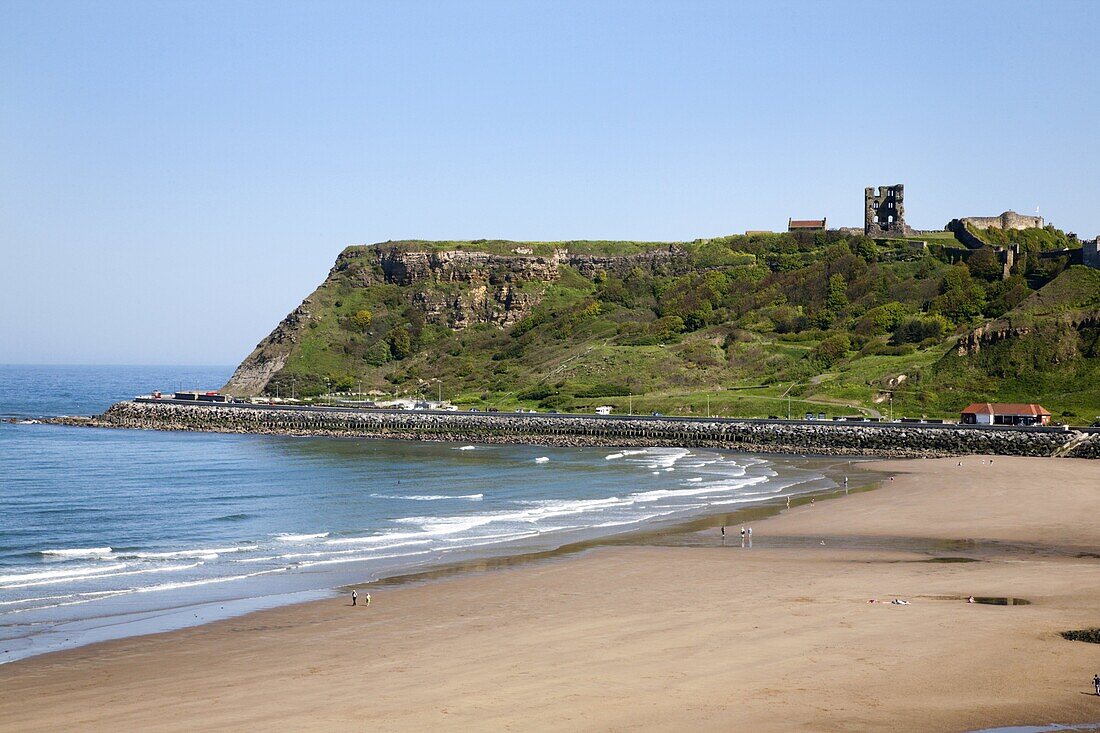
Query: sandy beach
(686, 635)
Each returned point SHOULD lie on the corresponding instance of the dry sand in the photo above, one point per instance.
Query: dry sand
(779, 637)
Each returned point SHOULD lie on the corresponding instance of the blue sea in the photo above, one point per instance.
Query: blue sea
(107, 533)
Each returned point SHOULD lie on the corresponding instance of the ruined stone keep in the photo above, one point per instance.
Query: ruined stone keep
(884, 211)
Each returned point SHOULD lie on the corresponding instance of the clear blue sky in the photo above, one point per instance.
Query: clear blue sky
(176, 177)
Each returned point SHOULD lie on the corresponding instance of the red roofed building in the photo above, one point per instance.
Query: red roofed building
(805, 225)
(1005, 413)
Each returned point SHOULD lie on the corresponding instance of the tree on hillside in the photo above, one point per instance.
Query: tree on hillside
(400, 343)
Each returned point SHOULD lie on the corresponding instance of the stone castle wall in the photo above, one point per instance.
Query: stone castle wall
(1007, 220)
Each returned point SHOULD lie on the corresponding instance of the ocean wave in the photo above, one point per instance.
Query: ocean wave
(666, 458)
(294, 556)
(720, 487)
(624, 454)
(205, 581)
(375, 539)
(98, 576)
(67, 600)
(204, 553)
(542, 459)
(78, 552)
(360, 558)
(430, 497)
(64, 574)
(467, 447)
(232, 518)
(285, 537)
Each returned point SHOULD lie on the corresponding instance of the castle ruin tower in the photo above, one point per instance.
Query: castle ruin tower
(884, 211)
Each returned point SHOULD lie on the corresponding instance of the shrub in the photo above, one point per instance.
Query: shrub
(362, 319)
(916, 330)
(378, 354)
(830, 351)
(880, 320)
(536, 393)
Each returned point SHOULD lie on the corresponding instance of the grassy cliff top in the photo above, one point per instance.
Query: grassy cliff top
(507, 247)
(1030, 240)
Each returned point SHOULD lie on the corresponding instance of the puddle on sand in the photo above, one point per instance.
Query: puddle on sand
(950, 559)
(1003, 601)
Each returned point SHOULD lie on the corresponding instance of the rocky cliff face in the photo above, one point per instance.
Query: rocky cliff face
(1000, 331)
(456, 289)
(403, 267)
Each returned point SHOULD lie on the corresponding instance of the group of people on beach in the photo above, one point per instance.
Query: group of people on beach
(745, 533)
(355, 598)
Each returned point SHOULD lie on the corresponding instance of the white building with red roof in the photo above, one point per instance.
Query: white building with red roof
(1005, 413)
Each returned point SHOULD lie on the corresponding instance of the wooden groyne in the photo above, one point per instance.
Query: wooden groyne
(798, 437)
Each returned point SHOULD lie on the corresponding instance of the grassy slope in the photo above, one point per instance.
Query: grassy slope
(1058, 358)
(560, 358)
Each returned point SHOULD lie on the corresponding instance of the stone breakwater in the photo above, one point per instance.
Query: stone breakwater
(755, 437)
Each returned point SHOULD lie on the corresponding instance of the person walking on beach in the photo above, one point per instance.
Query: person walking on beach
(1096, 683)
(354, 597)
(723, 533)
(368, 599)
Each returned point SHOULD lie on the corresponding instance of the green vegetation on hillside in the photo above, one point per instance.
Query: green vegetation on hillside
(742, 325)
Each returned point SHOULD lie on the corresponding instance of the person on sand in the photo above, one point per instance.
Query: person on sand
(788, 502)
(723, 533)
(354, 597)
(368, 599)
(1096, 683)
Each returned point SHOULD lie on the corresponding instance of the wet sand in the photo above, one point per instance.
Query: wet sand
(671, 635)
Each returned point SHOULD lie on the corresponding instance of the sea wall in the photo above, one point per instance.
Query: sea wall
(867, 439)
